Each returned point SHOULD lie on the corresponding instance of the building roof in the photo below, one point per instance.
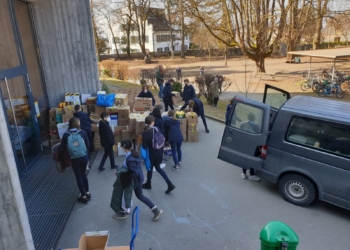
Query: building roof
(324, 53)
(323, 106)
(158, 19)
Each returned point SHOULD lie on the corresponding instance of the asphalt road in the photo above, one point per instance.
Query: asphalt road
(212, 207)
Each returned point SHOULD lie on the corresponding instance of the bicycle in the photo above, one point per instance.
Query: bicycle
(329, 89)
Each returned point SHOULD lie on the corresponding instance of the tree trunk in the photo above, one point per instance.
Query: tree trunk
(171, 30)
(209, 55)
(260, 63)
(128, 43)
(115, 44)
(182, 30)
(225, 56)
(95, 30)
(321, 11)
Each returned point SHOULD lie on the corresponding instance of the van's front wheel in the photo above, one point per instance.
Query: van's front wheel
(297, 189)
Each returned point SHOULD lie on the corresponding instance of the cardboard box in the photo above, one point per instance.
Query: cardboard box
(192, 135)
(53, 142)
(119, 129)
(126, 135)
(183, 124)
(184, 135)
(91, 101)
(62, 128)
(143, 104)
(94, 240)
(192, 126)
(121, 99)
(192, 118)
(94, 127)
(84, 97)
(177, 98)
(124, 122)
(99, 110)
(72, 97)
(140, 125)
(90, 108)
(132, 125)
(59, 111)
(84, 108)
(117, 139)
(19, 100)
(52, 113)
(95, 118)
(66, 118)
(68, 110)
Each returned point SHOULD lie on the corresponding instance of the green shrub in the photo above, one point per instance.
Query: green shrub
(177, 86)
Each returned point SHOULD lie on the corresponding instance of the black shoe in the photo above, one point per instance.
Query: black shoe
(171, 187)
(207, 131)
(176, 168)
(83, 199)
(101, 169)
(146, 186)
(88, 196)
(115, 167)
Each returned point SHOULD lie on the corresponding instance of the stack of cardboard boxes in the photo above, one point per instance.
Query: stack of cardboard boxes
(192, 127)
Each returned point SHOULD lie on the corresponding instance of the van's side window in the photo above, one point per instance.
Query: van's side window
(247, 118)
(322, 135)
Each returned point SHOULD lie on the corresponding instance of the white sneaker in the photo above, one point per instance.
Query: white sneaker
(162, 165)
(180, 164)
(254, 178)
(244, 176)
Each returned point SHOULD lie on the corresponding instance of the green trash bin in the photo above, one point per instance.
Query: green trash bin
(275, 234)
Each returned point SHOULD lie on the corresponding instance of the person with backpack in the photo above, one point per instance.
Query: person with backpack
(107, 141)
(76, 142)
(196, 106)
(174, 136)
(134, 176)
(168, 96)
(154, 141)
(158, 120)
(85, 124)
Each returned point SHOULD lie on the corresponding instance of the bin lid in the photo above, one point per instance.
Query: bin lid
(276, 232)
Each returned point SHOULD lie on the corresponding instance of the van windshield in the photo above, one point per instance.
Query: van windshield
(275, 98)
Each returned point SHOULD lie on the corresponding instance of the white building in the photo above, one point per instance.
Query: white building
(157, 35)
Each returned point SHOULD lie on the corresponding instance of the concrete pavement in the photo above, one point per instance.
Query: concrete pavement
(212, 207)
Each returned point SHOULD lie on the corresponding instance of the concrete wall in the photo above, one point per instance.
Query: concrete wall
(67, 48)
(14, 225)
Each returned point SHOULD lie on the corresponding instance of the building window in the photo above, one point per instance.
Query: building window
(147, 40)
(325, 136)
(164, 38)
(116, 40)
(159, 49)
(123, 40)
(166, 49)
(134, 39)
(247, 118)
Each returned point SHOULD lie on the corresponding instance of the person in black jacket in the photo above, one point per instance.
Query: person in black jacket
(78, 164)
(85, 124)
(196, 106)
(167, 95)
(107, 141)
(145, 93)
(174, 136)
(155, 155)
(188, 93)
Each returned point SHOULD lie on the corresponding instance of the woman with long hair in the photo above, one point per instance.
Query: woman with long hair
(133, 163)
(79, 157)
(155, 155)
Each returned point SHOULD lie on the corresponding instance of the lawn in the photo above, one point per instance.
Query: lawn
(115, 84)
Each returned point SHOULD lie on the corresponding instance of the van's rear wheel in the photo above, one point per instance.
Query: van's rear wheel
(297, 189)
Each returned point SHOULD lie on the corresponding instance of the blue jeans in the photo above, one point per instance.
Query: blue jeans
(79, 169)
(203, 119)
(160, 93)
(176, 151)
(155, 162)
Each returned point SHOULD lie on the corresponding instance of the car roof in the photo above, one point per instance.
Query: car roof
(322, 106)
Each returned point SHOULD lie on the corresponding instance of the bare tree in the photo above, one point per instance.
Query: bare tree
(182, 27)
(255, 26)
(249, 87)
(141, 13)
(168, 3)
(322, 6)
(203, 38)
(104, 8)
(127, 23)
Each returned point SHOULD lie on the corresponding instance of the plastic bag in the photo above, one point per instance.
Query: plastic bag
(105, 100)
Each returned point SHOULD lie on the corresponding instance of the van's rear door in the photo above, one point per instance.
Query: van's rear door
(247, 130)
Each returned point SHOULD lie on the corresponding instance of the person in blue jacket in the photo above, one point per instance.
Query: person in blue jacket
(133, 163)
(78, 164)
(155, 155)
(107, 141)
(167, 95)
(188, 92)
(85, 124)
(196, 106)
(145, 93)
(228, 111)
(174, 136)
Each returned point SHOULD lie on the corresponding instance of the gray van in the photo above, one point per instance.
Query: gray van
(301, 143)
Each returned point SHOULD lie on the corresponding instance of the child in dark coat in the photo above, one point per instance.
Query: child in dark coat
(107, 141)
(145, 93)
(168, 96)
(174, 136)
